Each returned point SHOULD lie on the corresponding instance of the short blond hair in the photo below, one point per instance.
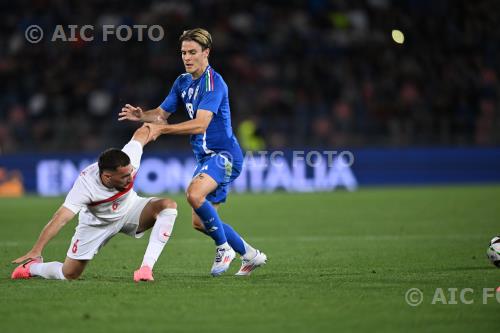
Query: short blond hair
(198, 35)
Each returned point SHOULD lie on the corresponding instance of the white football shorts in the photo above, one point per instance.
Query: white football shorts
(89, 239)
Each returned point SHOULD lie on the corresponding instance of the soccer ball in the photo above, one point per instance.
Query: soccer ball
(493, 251)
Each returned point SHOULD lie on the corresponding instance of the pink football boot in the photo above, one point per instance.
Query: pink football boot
(23, 271)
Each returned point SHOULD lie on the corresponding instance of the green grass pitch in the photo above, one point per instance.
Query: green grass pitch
(337, 262)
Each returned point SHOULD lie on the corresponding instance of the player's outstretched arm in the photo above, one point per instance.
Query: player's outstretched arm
(133, 113)
(62, 216)
(142, 135)
(197, 125)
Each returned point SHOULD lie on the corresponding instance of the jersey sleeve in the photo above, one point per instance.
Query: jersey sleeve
(134, 150)
(78, 197)
(169, 104)
(211, 100)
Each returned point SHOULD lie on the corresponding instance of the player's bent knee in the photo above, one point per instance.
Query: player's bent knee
(168, 203)
(195, 199)
(71, 275)
(72, 268)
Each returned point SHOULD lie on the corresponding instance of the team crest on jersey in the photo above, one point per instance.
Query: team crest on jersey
(190, 93)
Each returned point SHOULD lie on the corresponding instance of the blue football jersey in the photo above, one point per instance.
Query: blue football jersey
(208, 92)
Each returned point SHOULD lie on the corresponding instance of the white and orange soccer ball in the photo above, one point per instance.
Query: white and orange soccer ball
(493, 251)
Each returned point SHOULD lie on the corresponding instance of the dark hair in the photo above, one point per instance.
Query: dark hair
(111, 159)
(198, 35)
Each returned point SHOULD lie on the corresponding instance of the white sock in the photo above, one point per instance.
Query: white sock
(224, 246)
(159, 236)
(250, 252)
(49, 270)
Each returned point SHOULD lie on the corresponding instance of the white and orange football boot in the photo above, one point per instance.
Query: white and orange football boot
(223, 258)
(248, 265)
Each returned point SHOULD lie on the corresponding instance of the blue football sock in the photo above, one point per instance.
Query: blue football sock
(234, 239)
(212, 222)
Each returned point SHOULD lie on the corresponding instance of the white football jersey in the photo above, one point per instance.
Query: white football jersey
(99, 204)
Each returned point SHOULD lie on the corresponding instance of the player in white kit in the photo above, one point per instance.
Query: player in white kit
(107, 204)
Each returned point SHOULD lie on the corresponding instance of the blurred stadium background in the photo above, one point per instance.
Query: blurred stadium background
(306, 72)
(310, 76)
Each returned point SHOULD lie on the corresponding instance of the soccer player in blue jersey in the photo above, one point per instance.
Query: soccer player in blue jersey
(204, 94)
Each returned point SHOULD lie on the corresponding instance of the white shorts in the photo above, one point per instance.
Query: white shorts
(89, 239)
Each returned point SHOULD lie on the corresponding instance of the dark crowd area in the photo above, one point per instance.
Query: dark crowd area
(311, 73)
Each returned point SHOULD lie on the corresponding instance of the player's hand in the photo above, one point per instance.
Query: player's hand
(154, 130)
(30, 255)
(130, 112)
